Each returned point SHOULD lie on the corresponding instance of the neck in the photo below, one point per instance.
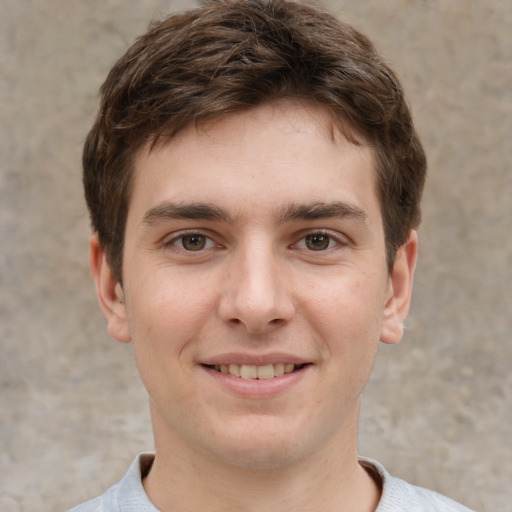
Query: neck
(331, 480)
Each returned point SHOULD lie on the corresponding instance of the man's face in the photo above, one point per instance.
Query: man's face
(255, 248)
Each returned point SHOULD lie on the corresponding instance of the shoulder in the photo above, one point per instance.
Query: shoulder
(399, 495)
(90, 506)
(127, 495)
(107, 502)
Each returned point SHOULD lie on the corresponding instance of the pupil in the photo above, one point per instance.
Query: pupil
(194, 242)
(317, 242)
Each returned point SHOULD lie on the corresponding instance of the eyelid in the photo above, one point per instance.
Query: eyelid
(340, 239)
(170, 239)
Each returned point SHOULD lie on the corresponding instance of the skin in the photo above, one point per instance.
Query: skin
(290, 266)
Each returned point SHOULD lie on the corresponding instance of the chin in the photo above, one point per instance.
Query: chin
(260, 447)
(260, 458)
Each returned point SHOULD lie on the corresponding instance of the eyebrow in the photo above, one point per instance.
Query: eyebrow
(293, 212)
(200, 211)
(322, 211)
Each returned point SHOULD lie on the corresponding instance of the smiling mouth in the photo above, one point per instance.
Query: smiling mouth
(250, 371)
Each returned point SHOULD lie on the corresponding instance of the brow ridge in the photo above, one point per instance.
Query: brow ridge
(199, 211)
(293, 212)
(322, 210)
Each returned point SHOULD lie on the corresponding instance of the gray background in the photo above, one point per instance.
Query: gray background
(438, 410)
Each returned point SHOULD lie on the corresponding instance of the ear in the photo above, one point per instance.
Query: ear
(109, 291)
(398, 299)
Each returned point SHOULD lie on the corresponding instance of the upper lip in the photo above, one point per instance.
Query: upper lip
(254, 359)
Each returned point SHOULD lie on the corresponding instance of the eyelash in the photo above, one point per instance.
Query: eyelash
(332, 241)
(174, 241)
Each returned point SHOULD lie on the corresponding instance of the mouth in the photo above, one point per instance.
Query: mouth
(261, 372)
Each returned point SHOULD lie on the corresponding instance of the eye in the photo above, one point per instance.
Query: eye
(193, 242)
(318, 241)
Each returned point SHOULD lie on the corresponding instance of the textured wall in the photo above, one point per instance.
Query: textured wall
(438, 409)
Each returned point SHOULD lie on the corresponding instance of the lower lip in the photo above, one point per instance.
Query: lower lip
(257, 388)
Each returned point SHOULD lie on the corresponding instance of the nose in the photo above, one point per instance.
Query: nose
(256, 292)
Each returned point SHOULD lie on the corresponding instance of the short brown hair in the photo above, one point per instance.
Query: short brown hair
(230, 55)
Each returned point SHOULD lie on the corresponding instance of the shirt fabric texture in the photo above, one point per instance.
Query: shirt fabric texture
(128, 494)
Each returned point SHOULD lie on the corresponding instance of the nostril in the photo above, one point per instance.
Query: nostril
(257, 327)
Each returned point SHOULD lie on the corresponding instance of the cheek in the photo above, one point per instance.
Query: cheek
(167, 304)
(164, 328)
(166, 318)
(356, 303)
(347, 316)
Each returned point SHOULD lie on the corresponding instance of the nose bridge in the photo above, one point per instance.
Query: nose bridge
(257, 294)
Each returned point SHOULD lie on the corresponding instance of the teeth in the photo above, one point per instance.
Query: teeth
(248, 371)
(234, 369)
(266, 372)
(251, 371)
(279, 369)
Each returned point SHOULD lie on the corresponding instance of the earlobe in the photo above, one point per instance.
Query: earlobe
(398, 300)
(109, 291)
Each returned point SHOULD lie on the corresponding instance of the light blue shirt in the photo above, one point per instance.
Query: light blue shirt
(128, 494)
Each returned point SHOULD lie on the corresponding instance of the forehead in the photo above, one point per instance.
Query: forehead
(270, 156)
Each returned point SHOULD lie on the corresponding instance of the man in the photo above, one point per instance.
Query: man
(253, 178)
